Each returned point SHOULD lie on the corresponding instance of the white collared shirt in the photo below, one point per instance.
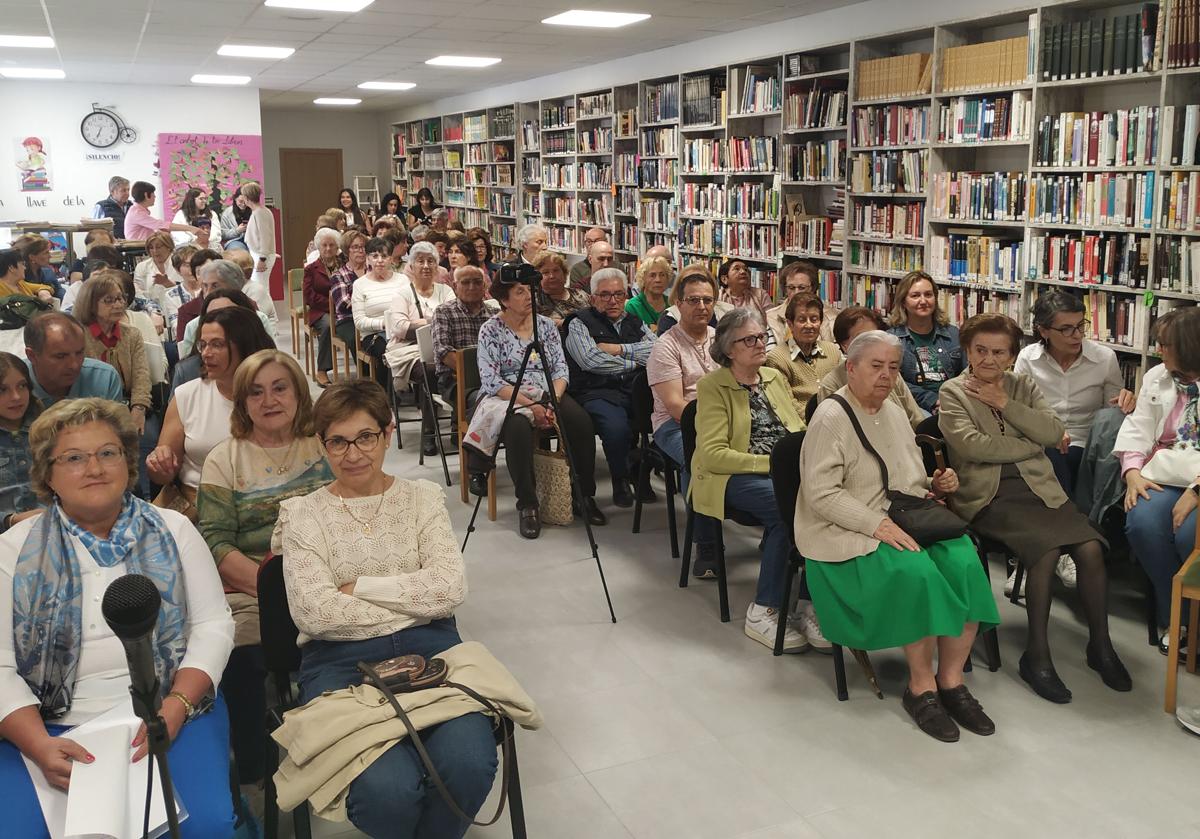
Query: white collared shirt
(1077, 393)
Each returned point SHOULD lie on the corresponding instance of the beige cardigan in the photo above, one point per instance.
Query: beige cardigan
(978, 449)
(841, 501)
(129, 358)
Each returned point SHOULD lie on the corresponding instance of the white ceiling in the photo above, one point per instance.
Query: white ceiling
(166, 41)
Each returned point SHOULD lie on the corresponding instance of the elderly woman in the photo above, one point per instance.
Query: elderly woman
(998, 427)
(387, 586)
(653, 279)
(197, 418)
(156, 274)
(798, 277)
(18, 409)
(848, 325)
(931, 348)
(370, 300)
(532, 239)
(215, 275)
(100, 307)
(12, 277)
(734, 278)
(183, 292)
(270, 455)
(556, 300)
(742, 409)
(353, 245)
(872, 584)
(1159, 450)
(502, 343)
(318, 282)
(804, 359)
(673, 313)
(62, 665)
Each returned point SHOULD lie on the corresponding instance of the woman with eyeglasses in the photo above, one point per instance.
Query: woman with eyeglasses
(100, 307)
(742, 410)
(373, 571)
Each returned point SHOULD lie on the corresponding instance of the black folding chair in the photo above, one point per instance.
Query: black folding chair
(649, 455)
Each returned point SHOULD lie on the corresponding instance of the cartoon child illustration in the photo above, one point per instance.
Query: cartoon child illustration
(34, 176)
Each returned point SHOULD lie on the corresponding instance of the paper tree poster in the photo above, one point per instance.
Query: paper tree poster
(33, 163)
(215, 163)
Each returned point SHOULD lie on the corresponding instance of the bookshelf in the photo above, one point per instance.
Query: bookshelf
(626, 233)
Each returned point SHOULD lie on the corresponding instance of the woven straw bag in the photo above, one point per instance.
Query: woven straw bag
(552, 477)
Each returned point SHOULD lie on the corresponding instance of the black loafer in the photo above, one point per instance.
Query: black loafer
(428, 446)
(622, 496)
(929, 715)
(530, 524)
(477, 484)
(592, 513)
(965, 710)
(1112, 671)
(1045, 683)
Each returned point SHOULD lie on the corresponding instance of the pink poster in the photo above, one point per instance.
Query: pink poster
(215, 163)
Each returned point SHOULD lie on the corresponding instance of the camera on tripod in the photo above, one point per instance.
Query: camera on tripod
(521, 272)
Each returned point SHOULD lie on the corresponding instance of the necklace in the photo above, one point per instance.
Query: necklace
(365, 525)
(280, 468)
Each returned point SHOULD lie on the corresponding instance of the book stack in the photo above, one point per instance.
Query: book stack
(1114, 46)
(1125, 137)
(982, 119)
(753, 202)
(891, 171)
(703, 156)
(752, 154)
(891, 125)
(990, 64)
(477, 153)
(1180, 125)
(475, 128)
(503, 123)
(657, 214)
(412, 134)
(1183, 50)
(501, 203)
(561, 115)
(595, 105)
(398, 170)
(815, 161)
(901, 75)
(704, 100)
(1104, 199)
(702, 236)
(596, 211)
(703, 199)
(1177, 264)
(626, 123)
(398, 145)
(660, 141)
(626, 169)
(559, 208)
(431, 159)
(979, 196)
(843, 291)
(660, 101)
(504, 235)
(753, 241)
(962, 303)
(558, 142)
(1104, 258)
(886, 259)
(595, 175)
(598, 140)
(976, 258)
(564, 239)
(757, 88)
(1119, 318)
(890, 220)
(627, 198)
(627, 237)
(452, 159)
(455, 180)
(1180, 201)
(817, 107)
(529, 136)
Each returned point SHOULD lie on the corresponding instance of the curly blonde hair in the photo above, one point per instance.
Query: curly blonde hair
(72, 413)
(648, 265)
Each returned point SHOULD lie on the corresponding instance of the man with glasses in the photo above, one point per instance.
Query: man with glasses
(54, 345)
(605, 349)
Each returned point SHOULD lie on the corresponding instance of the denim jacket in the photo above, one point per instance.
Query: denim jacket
(16, 495)
(945, 344)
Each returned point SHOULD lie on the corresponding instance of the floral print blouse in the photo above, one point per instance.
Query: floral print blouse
(501, 350)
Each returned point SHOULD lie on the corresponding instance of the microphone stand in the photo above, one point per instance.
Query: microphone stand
(158, 742)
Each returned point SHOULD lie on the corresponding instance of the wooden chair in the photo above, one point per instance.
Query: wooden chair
(338, 347)
(466, 374)
(430, 399)
(1185, 586)
(294, 299)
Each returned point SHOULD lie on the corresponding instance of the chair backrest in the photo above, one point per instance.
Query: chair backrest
(275, 625)
(642, 398)
(295, 287)
(425, 343)
(687, 428)
(785, 477)
(469, 380)
(811, 408)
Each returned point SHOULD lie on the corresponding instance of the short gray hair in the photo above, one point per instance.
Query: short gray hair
(419, 232)
(605, 274)
(868, 340)
(526, 233)
(230, 275)
(427, 248)
(722, 344)
(327, 233)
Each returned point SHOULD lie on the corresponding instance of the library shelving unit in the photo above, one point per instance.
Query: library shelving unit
(400, 161)
(504, 200)
(560, 173)
(594, 141)
(1049, 146)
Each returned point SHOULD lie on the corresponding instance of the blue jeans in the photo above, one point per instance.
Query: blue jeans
(1066, 466)
(1160, 549)
(669, 438)
(392, 797)
(755, 496)
(614, 427)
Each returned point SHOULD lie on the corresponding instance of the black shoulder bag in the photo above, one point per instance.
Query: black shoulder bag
(924, 519)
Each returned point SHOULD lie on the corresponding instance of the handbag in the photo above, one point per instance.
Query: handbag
(552, 478)
(924, 519)
(410, 673)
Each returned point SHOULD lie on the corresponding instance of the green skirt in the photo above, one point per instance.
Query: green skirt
(889, 598)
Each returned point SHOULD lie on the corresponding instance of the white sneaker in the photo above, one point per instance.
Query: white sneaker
(1066, 571)
(805, 618)
(762, 623)
(1011, 582)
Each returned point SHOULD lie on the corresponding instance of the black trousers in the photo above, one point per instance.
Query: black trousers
(244, 684)
(518, 436)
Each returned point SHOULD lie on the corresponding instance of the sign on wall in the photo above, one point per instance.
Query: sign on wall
(33, 164)
(215, 163)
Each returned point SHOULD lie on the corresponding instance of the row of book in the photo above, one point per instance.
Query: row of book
(983, 119)
(758, 89)
(891, 125)
(813, 235)
(475, 128)
(1122, 319)
(564, 239)
(754, 201)
(1114, 46)
(531, 203)
(815, 161)
(961, 303)
(704, 199)
(702, 236)
(529, 136)
(894, 259)
(1125, 137)
(753, 241)
(561, 115)
(660, 101)
(816, 107)
(594, 105)
(477, 153)
(503, 123)
(901, 75)
(978, 196)
(626, 198)
(657, 214)
(660, 141)
(501, 204)
(889, 220)
(1183, 39)
(596, 211)
(398, 145)
(658, 174)
(558, 143)
(559, 175)
(1104, 258)
(531, 172)
(1177, 264)
(452, 159)
(594, 175)
(842, 291)
(625, 236)
(703, 156)
(625, 168)
(974, 257)
(452, 133)
(597, 140)
(558, 208)
(666, 240)
(431, 159)
(1102, 199)
(470, 218)
(626, 122)
(989, 64)
(704, 100)
(889, 171)
(1179, 133)
(504, 234)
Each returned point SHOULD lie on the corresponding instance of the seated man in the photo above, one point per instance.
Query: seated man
(605, 348)
(600, 256)
(58, 365)
(456, 326)
(581, 270)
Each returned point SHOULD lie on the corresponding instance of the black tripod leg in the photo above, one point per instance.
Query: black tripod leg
(471, 523)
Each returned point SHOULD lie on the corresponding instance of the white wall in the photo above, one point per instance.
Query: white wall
(361, 135)
(53, 111)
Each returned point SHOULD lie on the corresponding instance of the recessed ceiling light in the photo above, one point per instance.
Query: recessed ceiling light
(208, 78)
(345, 6)
(34, 41)
(462, 61)
(335, 100)
(251, 51)
(601, 20)
(387, 85)
(31, 73)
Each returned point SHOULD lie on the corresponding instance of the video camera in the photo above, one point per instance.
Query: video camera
(521, 272)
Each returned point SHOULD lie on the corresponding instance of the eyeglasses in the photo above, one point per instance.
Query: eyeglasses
(699, 301)
(750, 340)
(366, 443)
(1068, 331)
(610, 295)
(216, 344)
(112, 301)
(796, 289)
(76, 462)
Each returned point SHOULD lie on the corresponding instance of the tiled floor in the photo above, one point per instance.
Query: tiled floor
(672, 725)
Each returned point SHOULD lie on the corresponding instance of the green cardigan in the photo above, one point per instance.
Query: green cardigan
(723, 434)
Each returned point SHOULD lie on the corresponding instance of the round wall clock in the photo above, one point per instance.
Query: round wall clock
(103, 127)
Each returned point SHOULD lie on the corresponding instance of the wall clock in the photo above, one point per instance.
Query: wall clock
(103, 127)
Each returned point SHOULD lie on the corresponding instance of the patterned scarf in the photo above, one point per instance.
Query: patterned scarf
(48, 596)
(1187, 436)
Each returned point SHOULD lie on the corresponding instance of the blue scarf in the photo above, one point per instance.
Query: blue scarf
(48, 596)
(1187, 436)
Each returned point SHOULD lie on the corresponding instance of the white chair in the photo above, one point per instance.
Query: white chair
(433, 400)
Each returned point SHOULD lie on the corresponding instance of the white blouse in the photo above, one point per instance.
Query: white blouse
(205, 415)
(102, 680)
(371, 298)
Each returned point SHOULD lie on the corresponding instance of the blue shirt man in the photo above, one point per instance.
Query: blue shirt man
(54, 347)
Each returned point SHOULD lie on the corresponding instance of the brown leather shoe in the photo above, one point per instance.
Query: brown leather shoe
(965, 710)
(929, 715)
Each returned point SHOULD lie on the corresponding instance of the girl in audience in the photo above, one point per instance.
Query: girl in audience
(848, 325)
(234, 221)
(392, 205)
(186, 290)
(653, 279)
(341, 283)
(873, 585)
(36, 250)
(54, 571)
(742, 410)
(931, 348)
(100, 307)
(734, 278)
(502, 343)
(998, 426)
(671, 316)
(317, 286)
(197, 419)
(355, 217)
(557, 300)
(18, 409)
(422, 210)
(194, 206)
(370, 300)
(12, 277)
(260, 234)
(1159, 450)
(804, 359)
(387, 585)
(270, 455)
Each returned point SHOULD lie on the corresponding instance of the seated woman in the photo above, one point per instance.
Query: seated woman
(848, 325)
(12, 277)
(270, 455)
(183, 292)
(63, 665)
(94, 238)
(734, 279)
(233, 224)
(502, 343)
(370, 299)
(478, 237)
(100, 307)
(672, 315)
(318, 282)
(1159, 450)
(742, 409)
(197, 418)
(36, 251)
(800, 277)
(18, 409)
(804, 360)
(386, 586)
(193, 208)
(872, 584)
(460, 253)
(392, 205)
(997, 426)
(931, 349)
(654, 277)
(556, 300)
(341, 283)
(155, 275)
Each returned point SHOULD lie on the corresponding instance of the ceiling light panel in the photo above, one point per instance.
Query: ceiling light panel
(40, 42)
(209, 78)
(462, 61)
(387, 85)
(335, 100)
(342, 6)
(31, 73)
(252, 51)
(594, 19)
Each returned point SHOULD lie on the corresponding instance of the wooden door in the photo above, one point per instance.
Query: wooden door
(310, 180)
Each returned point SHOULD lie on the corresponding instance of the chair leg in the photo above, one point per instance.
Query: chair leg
(643, 478)
(1173, 645)
(1015, 597)
(722, 580)
(463, 476)
(295, 337)
(672, 527)
(788, 579)
(1193, 621)
(516, 803)
(492, 495)
(687, 545)
(839, 673)
(991, 643)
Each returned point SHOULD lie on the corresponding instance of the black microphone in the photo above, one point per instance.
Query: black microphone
(131, 605)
